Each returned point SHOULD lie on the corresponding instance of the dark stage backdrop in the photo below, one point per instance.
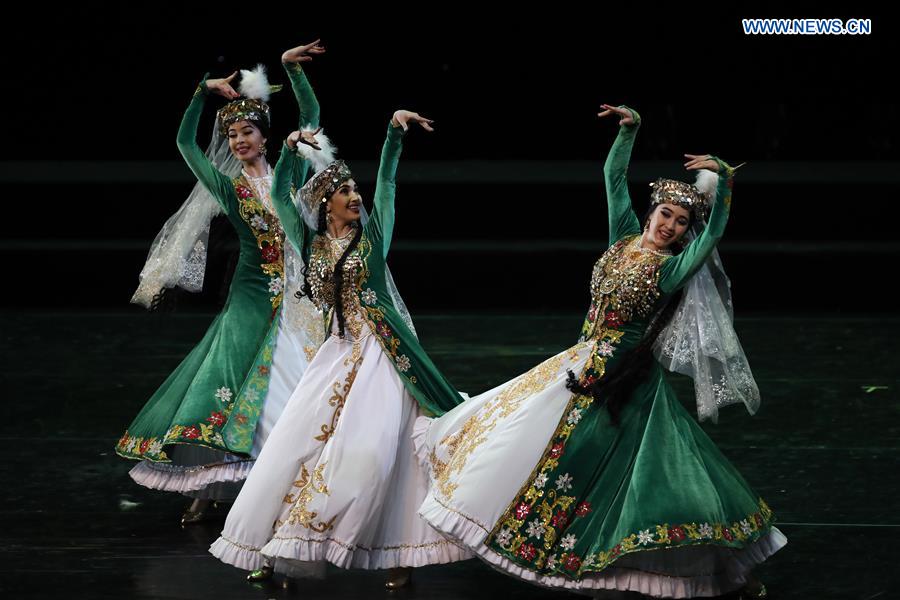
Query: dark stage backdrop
(503, 207)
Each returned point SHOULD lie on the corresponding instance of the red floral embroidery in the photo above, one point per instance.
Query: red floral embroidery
(522, 510)
(242, 192)
(583, 509)
(557, 450)
(592, 314)
(271, 254)
(241, 418)
(726, 533)
(759, 520)
(263, 370)
(612, 320)
(191, 433)
(383, 330)
(217, 419)
(573, 563)
(527, 551)
(144, 445)
(559, 520)
(677, 534)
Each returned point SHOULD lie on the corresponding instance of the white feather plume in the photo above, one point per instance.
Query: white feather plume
(318, 158)
(707, 182)
(255, 83)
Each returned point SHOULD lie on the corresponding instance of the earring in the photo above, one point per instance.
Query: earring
(262, 148)
(328, 217)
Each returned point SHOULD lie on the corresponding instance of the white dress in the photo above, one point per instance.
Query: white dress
(338, 480)
(479, 453)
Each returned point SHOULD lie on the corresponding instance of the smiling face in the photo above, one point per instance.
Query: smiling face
(245, 139)
(345, 204)
(668, 224)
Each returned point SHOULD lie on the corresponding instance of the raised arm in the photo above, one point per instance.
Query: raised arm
(380, 227)
(215, 182)
(295, 228)
(622, 220)
(292, 60)
(676, 271)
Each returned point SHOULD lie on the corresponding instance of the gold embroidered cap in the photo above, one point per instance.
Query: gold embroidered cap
(320, 187)
(680, 193)
(244, 109)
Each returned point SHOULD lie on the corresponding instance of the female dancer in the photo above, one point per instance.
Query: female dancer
(569, 481)
(200, 432)
(338, 480)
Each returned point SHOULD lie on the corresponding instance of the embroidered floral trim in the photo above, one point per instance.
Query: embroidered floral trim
(150, 448)
(376, 317)
(369, 297)
(248, 404)
(269, 237)
(550, 504)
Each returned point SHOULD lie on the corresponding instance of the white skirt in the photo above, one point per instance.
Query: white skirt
(338, 480)
(479, 454)
(206, 473)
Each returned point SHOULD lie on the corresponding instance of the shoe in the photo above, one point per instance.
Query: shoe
(263, 574)
(191, 517)
(758, 592)
(398, 578)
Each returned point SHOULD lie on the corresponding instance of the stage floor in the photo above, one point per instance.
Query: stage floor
(824, 451)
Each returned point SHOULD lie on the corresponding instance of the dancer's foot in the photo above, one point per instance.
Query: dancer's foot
(196, 512)
(398, 578)
(263, 574)
(753, 589)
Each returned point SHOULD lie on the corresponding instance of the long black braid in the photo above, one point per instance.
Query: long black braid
(615, 389)
(338, 274)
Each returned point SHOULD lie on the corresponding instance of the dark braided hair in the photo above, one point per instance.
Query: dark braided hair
(338, 274)
(615, 389)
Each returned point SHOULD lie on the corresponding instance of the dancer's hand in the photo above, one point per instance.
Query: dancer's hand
(703, 161)
(304, 137)
(303, 53)
(625, 115)
(402, 118)
(223, 87)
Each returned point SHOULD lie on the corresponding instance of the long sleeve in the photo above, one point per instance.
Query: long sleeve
(309, 114)
(294, 228)
(303, 93)
(676, 271)
(218, 184)
(622, 220)
(380, 227)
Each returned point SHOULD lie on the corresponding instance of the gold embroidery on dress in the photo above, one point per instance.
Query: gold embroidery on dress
(349, 546)
(624, 280)
(299, 514)
(462, 443)
(339, 397)
(300, 484)
(324, 255)
(266, 227)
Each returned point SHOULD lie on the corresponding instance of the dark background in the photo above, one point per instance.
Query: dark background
(503, 207)
(500, 216)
